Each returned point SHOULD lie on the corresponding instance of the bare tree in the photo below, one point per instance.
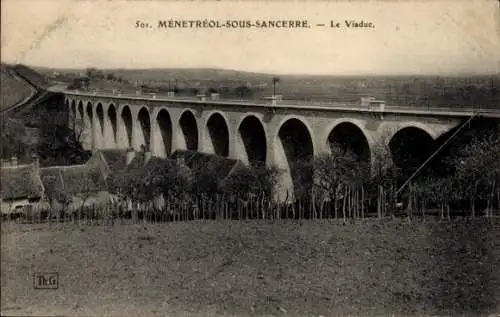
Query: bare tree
(336, 175)
(78, 130)
(478, 170)
(383, 180)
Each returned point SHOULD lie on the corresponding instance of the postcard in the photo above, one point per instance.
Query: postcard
(250, 158)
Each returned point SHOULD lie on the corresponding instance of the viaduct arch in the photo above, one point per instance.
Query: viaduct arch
(217, 135)
(348, 138)
(125, 128)
(73, 113)
(143, 129)
(188, 131)
(410, 147)
(293, 151)
(99, 131)
(89, 126)
(162, 134)
(252, 135)
(110, 135)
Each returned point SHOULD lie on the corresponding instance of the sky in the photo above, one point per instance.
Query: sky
(411, 37)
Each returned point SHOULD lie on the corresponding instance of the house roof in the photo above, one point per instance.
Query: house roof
(136, 163)
(115, 159)
(20, 181)
(154, 164)
(72, 179)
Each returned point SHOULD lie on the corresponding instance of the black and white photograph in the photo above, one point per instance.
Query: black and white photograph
(250, 158)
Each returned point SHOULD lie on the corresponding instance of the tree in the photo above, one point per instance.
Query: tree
(243, 91)
(204, 180)
(478, 170)
(336, 174)
(92, 72)
(60, 144)
(472, 177)
(383, 181)
(144, 184)
(11, 143)
(63, 199)
(212, 90)
(258, 179)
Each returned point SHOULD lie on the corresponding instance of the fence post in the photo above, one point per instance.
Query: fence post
(239, 208)
(362, 201)
(216, 207)
(377, 201)
(278, 208)
(343, 204)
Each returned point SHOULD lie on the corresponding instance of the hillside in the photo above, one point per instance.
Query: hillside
(36, 79)
(24, 107)
(13, 89)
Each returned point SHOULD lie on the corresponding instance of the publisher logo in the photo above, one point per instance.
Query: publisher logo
(46, 280)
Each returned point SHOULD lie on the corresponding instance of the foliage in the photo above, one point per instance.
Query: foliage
(11, 143)
(336, 170)
(144, 184)
(243, 91)
(79, 83)
(205, 180)
(258, 179)
(61, 197)
(475, 176)
(94, 73)
(60, 144)
(478, 164)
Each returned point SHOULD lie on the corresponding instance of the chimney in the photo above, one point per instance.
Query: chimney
(182, 168)
(5, 163)
(13, 161)
(147, 156)
(36, 161)
(179, 161)
(130, 156)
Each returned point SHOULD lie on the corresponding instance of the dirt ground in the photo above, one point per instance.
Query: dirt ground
(367, 268)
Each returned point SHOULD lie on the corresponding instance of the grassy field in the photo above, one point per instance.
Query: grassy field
(367, 268)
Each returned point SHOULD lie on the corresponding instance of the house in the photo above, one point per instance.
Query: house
(372, 103)
(74, 186)
(107, 174)
(21, 186)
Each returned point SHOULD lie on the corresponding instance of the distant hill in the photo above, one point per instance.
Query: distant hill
(415, 91)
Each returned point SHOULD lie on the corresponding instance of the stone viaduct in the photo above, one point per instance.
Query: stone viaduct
(276, 133)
